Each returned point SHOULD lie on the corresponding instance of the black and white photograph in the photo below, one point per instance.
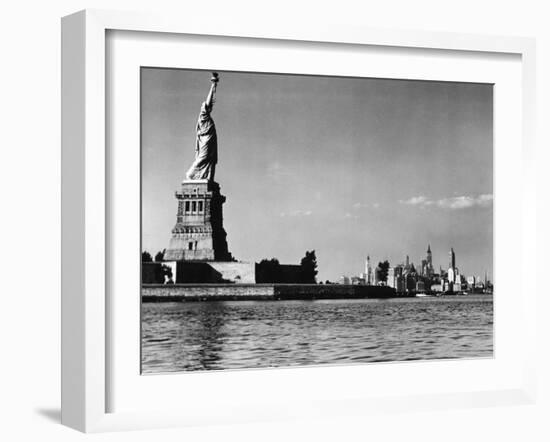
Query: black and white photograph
(303, 220)
(298, 221)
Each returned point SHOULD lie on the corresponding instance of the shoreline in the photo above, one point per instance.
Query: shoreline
(260, 292)
(265, 292)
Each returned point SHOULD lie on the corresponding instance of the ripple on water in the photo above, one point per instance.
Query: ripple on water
(235, 335)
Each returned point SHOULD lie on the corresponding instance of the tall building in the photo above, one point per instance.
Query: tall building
(429, 264)
(452, 260)
(368, 271)
(453, 275)
(391, 277)
(395, 278)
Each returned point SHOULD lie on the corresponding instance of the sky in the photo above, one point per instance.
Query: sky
(348, 167)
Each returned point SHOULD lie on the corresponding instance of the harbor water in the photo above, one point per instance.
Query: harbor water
(189, 336)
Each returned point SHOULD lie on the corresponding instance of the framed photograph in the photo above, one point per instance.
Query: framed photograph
(270, 222)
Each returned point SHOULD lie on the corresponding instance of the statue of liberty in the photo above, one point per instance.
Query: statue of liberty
(206, 145)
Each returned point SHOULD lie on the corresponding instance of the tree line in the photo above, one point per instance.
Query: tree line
(146, 256)
(267, 270)
(272, 271)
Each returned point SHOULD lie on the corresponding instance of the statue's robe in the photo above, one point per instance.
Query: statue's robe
(206, 148)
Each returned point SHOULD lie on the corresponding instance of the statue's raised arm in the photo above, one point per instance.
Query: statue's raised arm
(211, 98)
(206, 145)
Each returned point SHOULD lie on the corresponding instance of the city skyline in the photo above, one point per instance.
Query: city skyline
(417, 260)
(348, 167)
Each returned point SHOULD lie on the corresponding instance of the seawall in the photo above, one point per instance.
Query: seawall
(220, 292)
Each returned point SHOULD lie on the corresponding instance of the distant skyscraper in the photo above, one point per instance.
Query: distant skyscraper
(395, 277)
(452, 261)
(368, 271)
(391, 277)
(453, 275)
(451, 278)
(429, 264)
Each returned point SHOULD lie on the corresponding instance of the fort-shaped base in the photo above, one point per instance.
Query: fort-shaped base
(199, 234)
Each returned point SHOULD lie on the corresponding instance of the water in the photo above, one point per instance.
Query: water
(254, 334)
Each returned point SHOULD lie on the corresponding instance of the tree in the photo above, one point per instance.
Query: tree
(309, 268)
(268, 271)
(146, 257)
(159, 257)
(382, 269)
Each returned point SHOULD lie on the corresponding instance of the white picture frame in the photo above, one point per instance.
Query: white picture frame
(86, 315)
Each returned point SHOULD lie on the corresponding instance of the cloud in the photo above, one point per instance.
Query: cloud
(420, 200)
(465, 202)
(452, 203)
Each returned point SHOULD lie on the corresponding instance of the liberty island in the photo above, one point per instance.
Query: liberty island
(198, 256)
(198, 250)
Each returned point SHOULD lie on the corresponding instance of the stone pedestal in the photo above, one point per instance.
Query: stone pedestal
(199, 234)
